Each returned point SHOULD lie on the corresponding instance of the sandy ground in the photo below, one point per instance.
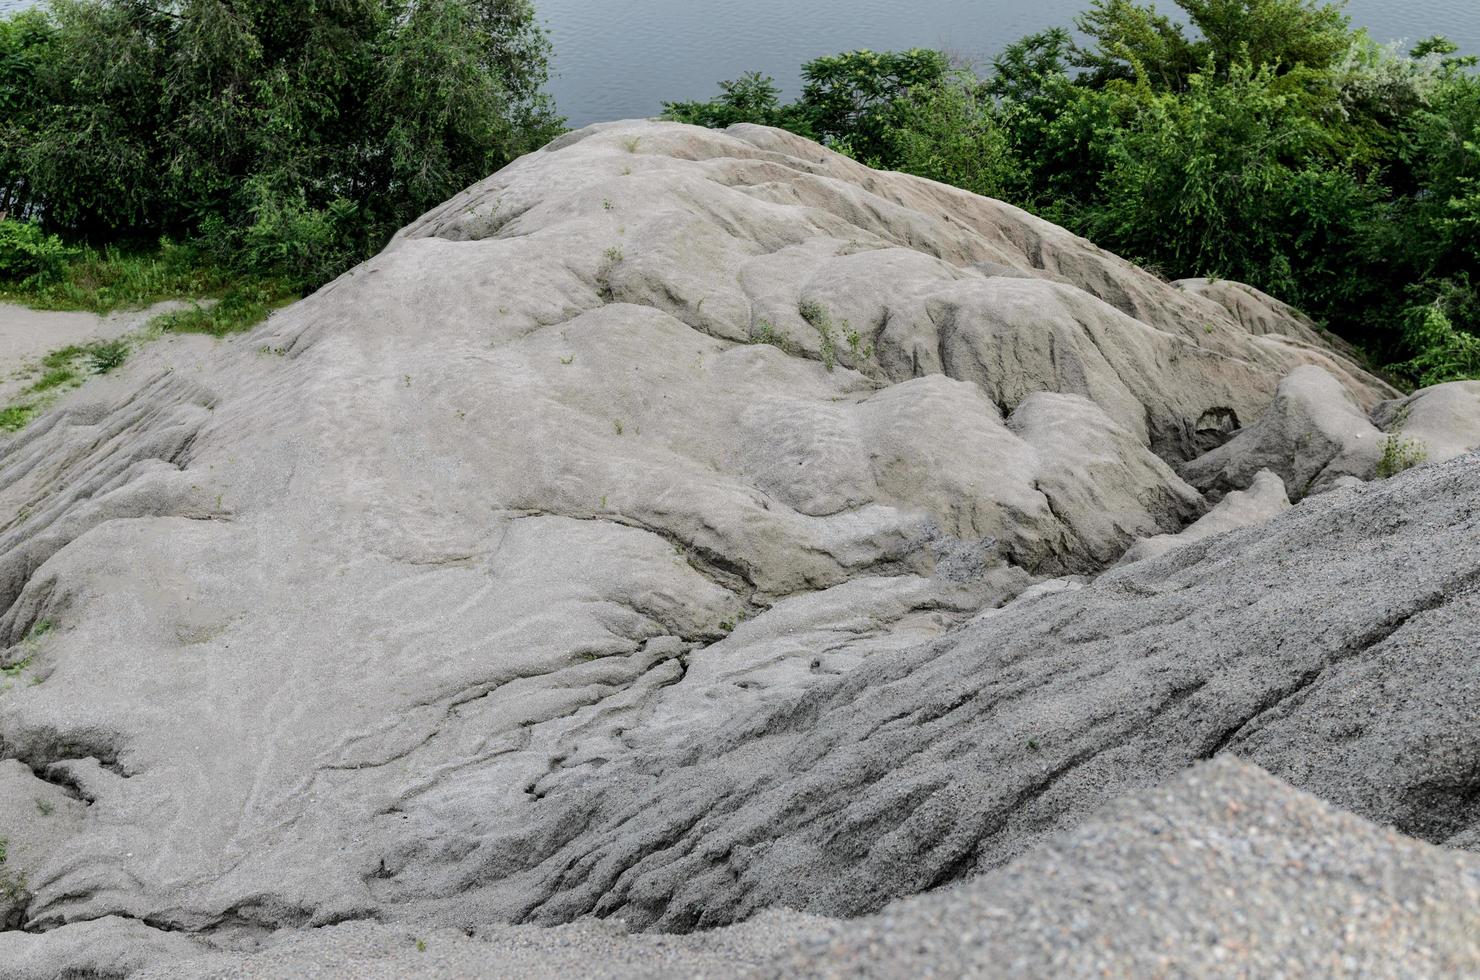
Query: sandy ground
(27, 335)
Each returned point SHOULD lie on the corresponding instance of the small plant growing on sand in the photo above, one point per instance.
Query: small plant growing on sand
(14, 417)
(106, 355)
(1400, 453)
(613, 257)
(814, 314)
(766, 333)
(54, 378)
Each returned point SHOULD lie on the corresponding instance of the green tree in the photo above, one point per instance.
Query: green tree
(290, 136)
(1231, 180)
(950, 133)
(751, 98)
(849, 98)
(25, 41)
(1125, 40)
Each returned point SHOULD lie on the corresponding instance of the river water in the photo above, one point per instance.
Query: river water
(620, 58)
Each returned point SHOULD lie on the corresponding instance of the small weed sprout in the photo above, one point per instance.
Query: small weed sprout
(631, 143)
(61, 369)
(766, 333)
(568, 360)
(861, 352)
(1400, 453)
(617, 426)
(814, 314)
(613, 257)
(607, 204)
(44, 808)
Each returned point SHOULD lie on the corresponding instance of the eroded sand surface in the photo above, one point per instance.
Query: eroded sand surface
(682, 526)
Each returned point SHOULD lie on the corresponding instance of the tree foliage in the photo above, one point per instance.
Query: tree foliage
(290, 137)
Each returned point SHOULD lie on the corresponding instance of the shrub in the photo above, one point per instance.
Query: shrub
(107, 355)
(1444, 353)
(29, 257)
(751, 98)
(1399, 454)
(15, 417)
(297, 136)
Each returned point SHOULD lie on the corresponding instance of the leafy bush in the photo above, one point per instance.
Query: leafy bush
(107, 355)
(296, 137)
(29, 257)
(1399, 454)
(751, 98)
(1444, 353)
(1229, 180)
(949, 134)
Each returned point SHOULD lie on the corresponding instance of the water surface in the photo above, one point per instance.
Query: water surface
(616, 59)
(622, 58)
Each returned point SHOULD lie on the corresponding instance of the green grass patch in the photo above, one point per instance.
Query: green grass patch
(240, 309)
(103, 280)
(13, 418)
(63, 368)
(114, 278)
(54, 378)
(70, 365)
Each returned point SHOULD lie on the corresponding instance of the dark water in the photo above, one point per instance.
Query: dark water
(620, 58)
